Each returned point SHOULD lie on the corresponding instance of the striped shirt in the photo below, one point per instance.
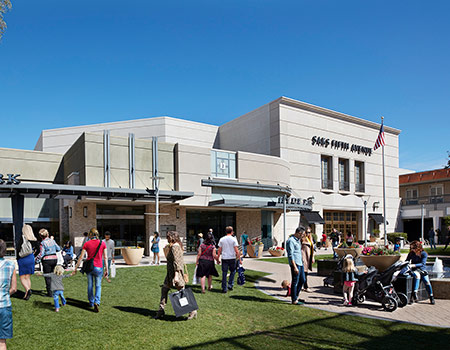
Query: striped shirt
(6, 270)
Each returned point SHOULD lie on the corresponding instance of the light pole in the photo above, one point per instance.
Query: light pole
(365, 223)
(422, 208)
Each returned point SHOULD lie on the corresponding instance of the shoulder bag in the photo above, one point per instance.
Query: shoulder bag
(26, 248)
(88, 264)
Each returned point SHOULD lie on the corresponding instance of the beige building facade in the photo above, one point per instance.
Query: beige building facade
(213, 176)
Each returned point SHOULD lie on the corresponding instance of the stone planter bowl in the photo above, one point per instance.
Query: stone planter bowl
(255, 251)
(381, 262)
(278, 252)
(132, 256)
(355, 252)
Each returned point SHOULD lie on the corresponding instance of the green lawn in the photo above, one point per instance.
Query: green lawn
(438, 251)
(242, 319)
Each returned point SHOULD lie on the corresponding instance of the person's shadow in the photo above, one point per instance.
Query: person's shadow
(146, 312)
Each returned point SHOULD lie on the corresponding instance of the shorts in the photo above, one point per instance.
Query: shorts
(6, 323)
(349, 283)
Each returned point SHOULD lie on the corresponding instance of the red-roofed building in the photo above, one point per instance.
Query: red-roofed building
(428, 191)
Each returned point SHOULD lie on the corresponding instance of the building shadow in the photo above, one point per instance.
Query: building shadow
(256, 299)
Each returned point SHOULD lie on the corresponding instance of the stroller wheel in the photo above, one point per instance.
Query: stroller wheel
(389, 304)
(402, 300)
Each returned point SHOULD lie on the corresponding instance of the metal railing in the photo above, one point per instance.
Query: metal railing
(445, 198)
(327, 184)
(360, 187)
(344, 186)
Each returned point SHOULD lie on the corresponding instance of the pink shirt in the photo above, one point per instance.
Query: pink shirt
(91, 247)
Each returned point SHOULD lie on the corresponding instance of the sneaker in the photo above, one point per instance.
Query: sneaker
(307, 290)
(345, 303)
(230, 288)
(349, 304)
(432, 302)
(56, 310)
(96, 308)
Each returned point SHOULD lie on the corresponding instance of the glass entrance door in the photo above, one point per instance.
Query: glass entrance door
(266, 228)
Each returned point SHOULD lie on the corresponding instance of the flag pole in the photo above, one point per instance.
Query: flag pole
(384, 194)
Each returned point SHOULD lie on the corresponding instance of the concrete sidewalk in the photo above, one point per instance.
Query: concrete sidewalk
(323, 298)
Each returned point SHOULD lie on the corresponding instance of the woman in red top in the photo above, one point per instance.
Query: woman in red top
(205, 261)
(95, 276)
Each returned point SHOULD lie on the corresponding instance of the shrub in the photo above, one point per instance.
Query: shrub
(394, 235)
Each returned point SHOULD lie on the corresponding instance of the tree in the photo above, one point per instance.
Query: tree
(5, 6)
(448, 161)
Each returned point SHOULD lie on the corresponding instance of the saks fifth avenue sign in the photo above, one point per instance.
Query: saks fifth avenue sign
(340, 145)
(9, 179)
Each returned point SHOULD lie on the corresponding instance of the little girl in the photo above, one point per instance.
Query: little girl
(349, 279)
(57, 286)
(286, 285)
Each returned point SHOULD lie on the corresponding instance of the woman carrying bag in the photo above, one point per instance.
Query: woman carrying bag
(27, 247)
(175, 272)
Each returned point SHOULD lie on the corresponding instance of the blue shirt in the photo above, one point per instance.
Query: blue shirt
(68, 251)
(294, 250)
(48, 250)
(419, 261)
(6, 270)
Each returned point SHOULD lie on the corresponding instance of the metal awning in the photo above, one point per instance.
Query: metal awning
(378, 218)
(52, 191)
(278, 189)
(235, 203)
(313, 217)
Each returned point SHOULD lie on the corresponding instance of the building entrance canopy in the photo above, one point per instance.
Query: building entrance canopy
(19, 192)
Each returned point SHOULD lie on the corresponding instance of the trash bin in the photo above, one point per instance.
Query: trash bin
(404, 284)
(402, 242)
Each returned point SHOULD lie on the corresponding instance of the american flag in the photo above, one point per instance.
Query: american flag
(380, 139)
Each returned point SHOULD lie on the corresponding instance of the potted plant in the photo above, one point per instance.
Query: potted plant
(255, 248)
(343, 249)
(379, 257)
(375, 235)
(276, 251)
(132, 255)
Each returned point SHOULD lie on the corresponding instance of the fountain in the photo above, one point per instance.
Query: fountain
(440, 279)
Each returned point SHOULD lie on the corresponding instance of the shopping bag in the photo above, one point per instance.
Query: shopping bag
(183, 302)
(113, 270)
(60, 259)
(195, 279)
(241, 276)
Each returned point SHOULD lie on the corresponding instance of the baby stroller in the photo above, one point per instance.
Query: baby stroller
(378, 287)
(329, 281)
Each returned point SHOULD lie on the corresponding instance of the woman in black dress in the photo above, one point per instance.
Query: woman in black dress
(205, 261)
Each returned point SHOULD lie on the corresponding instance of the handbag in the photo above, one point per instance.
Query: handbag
(183, 302)
(26, 248)
(113, 270)
(88, 264)
(241, 275)
(186, 274)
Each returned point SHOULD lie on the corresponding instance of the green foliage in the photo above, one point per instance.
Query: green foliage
(448, 161)
(5, 6)
(447, 220)
(376, 232)
(392, 237)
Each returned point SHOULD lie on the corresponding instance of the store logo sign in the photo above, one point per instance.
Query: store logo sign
(9, 179)
(340, 145)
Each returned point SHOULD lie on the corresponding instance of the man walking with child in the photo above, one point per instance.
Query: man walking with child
(228, 249)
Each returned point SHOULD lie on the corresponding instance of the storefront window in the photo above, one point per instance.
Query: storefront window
(327, 172)
(359, 177)
(344, 222)
(344, 184)
(223, 164)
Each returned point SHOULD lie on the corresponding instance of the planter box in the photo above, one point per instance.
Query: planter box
(278, 252)
(341, 252)
(381, 262)
(132, 256)
(255, 251)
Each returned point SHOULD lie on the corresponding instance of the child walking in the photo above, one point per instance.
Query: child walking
(8, 286)
(57, 286)
(349, 279)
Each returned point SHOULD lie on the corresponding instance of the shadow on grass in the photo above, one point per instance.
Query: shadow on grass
(43, 305)
(147, 313)
(306, 335)
(257, 299)
(84, 305)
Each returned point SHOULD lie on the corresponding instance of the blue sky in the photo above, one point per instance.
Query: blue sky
(65, 63)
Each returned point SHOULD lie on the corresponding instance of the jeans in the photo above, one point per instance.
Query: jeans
(48, 266)
(96, 276)
(297, 282)
(416, 282)
(432, 243)
(244, 249)
(334, 244)
(56, 295)
(228, 264)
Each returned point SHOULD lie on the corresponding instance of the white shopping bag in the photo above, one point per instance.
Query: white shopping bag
(60, 258)
(113, 270)
(195, 279)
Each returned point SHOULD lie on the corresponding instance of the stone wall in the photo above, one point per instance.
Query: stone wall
(249, 221)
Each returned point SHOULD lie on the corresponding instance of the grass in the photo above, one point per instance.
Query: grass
(242, 319)
(438, 251)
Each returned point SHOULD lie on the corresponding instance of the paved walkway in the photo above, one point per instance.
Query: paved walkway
(324, 298)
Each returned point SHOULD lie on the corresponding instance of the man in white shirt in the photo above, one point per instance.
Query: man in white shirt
(228, 249)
